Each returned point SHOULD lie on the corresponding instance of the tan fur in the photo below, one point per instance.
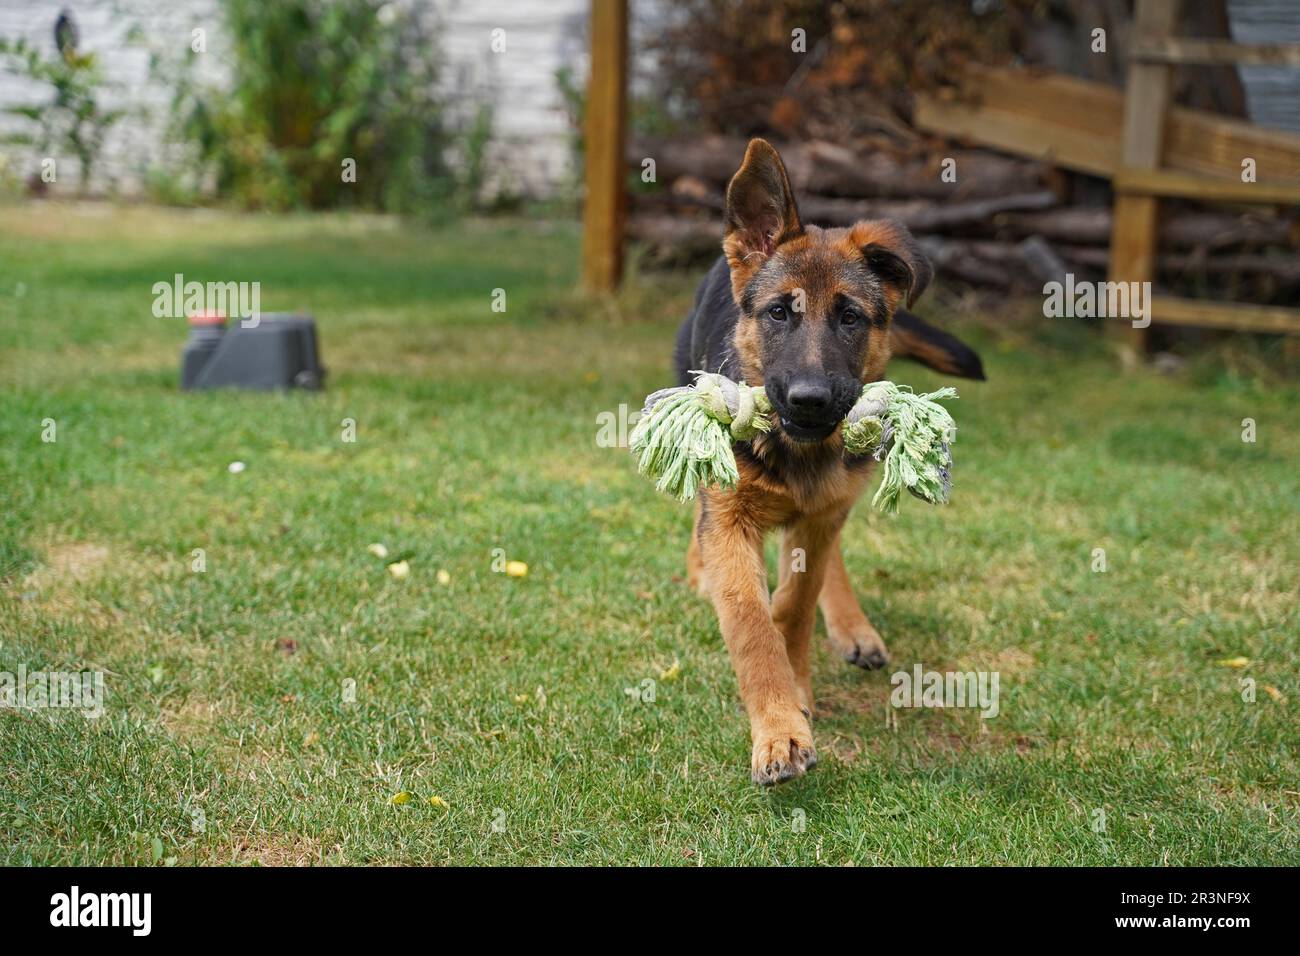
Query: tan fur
(847, 628)
(769, 643)
(769, 638)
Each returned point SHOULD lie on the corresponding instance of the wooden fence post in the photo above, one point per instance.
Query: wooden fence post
(1134, 230)
(604, 131)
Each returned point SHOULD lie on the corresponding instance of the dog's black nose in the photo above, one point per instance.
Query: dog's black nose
(808, 397)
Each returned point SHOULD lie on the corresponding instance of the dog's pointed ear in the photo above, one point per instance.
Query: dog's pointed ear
(894, 255)
(761, 212)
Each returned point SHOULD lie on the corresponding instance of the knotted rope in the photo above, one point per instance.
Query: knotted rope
(685, 435)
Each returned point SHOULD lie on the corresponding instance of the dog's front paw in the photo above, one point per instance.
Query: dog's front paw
(782, 751)
(862, 646)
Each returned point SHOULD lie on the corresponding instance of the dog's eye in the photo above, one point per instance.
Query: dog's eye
(777, 312)
(850, 317)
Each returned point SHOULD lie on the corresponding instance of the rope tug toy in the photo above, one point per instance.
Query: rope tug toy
(684, 436)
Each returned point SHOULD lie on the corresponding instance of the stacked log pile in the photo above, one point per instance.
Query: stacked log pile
(1006, 223)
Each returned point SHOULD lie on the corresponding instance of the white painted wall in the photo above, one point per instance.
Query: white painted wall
(103, 24)
(531, 129)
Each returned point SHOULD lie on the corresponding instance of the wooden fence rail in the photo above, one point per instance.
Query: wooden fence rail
(1141, 180)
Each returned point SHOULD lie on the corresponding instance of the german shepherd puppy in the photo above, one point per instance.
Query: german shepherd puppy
(811, 315)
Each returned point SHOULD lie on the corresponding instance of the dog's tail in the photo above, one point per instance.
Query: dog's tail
(920, 341)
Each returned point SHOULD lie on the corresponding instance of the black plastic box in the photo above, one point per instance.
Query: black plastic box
(278, 352)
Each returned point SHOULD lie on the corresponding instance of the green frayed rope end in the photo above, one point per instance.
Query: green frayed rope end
(912, 434)
(684, 437)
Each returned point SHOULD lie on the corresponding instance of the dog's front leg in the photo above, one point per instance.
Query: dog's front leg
(732, 555)
(847, 627)
(807, 546)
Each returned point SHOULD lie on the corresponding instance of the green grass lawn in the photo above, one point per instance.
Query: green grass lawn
(227, 738)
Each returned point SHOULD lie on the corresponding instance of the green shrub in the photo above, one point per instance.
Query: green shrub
(314, 84)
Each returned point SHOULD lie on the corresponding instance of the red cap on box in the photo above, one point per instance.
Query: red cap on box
(208, 318)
